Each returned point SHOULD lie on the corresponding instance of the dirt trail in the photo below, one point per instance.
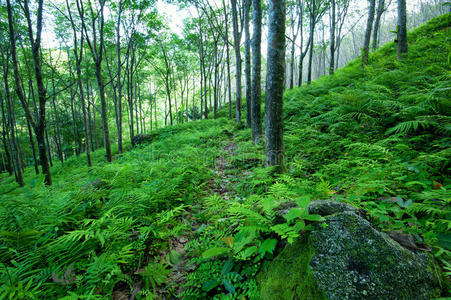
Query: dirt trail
(220, 185)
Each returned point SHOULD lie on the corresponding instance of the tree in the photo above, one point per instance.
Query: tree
(78, 60)
(256, 122)
(316, 9)
(332, 37)
(96, 46)
(369, 26)
(402, 28)
(236, 47)
(275, 84)
(247, 61)
(38, 124)
(377, 22)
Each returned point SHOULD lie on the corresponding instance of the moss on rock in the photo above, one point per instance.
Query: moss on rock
(289, 276)
(352, 260)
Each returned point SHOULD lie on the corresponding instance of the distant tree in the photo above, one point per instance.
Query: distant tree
(402, 28)
(381, 7)
(275, 84)
(316, 9)
(369, 26)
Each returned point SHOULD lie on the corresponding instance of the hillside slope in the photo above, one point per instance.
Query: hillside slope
(192, 214)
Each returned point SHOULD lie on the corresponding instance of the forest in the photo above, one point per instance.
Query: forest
(216, 149)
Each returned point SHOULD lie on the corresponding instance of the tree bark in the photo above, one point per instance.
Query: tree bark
(402, 28)
(275, 84)
(236, 46)
(247, 61)
(256, 120)
(332, 38)
(312, 31)
(369, 26)
(377, 22)
(226, 41)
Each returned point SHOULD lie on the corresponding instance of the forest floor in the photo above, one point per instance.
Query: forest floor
(191, 213)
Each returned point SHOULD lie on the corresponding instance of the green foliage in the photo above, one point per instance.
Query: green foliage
(378, 138)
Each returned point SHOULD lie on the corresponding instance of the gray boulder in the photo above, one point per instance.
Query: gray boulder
(352, 260)
(348, 259)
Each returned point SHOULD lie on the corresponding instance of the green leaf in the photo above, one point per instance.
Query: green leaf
(294, 213)
(268, 245)
(249, 252)
(228, 265)
(228, 286)
(209, 285)
(304, 201)
(215, 252)
(316, 218)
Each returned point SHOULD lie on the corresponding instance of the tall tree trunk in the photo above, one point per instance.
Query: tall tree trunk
(369, 26)
(229, 86)
(377, 22)
(312, 31)
(97, 50)
(59, 147)
(402, 28)
(118, 80)
(332, 38)
(247, 61)
(275, 84)
(256, 95)
(236, 46)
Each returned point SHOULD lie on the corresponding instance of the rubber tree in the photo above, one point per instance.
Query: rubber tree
(275, 78)
(369, 26)
(402, 28)
(256, 119)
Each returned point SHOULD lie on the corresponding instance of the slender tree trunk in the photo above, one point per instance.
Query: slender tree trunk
(402, 28)
(332, 38)
(49, 150)
(256, 120)
(275, 84)
(369, 26)
(57, 123)
(247, 61)
(377, 22)
(118, 80)
(229, 85)
(312, 31)
(236, 40)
